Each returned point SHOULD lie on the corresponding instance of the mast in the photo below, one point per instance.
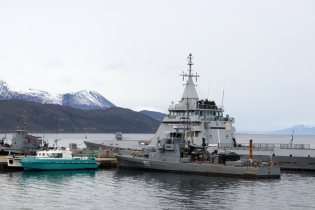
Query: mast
(190, 92)
(190, 63)
(24, 123)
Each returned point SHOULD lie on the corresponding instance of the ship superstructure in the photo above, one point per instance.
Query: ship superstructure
(205, 116)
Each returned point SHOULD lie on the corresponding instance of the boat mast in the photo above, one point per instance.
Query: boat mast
(190, 89)
(190, 63)
(24, 124)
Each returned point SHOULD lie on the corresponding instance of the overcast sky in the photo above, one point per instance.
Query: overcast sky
(132, 52)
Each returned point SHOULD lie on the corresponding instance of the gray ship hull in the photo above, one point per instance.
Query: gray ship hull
(95, 146)
(204, 168)
(288, 163)
(287, 159)
(109, 144)
(7, 150)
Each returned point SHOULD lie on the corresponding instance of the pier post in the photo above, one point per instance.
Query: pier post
(251, 149)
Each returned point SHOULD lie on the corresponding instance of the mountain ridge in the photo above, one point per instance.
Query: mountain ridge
(44, 118)
(299, 129)
(84, 99)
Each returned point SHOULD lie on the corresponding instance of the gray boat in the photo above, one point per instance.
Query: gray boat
(175, 153)
(209, 123)
(185, 149)
(117, 143)
(22, 142)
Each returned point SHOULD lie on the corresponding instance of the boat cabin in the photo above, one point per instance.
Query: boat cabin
(55, 153)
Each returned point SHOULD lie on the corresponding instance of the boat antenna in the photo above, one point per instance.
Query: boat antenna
(209, 85)
(223, 89)
(190, 63)
(24, 123)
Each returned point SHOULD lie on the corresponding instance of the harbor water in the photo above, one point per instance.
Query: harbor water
(131, 189)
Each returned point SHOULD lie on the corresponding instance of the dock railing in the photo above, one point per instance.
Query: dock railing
(265, 145)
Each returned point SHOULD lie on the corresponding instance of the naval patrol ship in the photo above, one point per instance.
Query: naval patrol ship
(208, 122)
(191, 127)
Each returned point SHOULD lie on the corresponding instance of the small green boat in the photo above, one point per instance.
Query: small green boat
(57, 159)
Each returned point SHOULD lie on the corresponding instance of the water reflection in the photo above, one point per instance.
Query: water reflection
(190, 191)
(57, 176)
(132, 189)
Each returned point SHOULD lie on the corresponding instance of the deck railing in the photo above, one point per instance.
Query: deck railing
(266, 145)
(194, 106)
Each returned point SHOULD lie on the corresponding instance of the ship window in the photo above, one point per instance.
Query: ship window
(196, 133)
(196, 112)
(57, 155)
(220, 114)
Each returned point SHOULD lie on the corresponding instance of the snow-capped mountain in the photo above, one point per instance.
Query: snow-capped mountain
(82, 99)
(298, 129)
(85, 99)
(9, 92)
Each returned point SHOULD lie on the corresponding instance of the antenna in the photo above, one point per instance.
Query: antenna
(209, 85)
(190, 63)
(223, 90)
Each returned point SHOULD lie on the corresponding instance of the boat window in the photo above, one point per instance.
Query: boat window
(196, 133)
(57, 155)
(203, 113)
(220, 114)
(196, 112)
(217, 114)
